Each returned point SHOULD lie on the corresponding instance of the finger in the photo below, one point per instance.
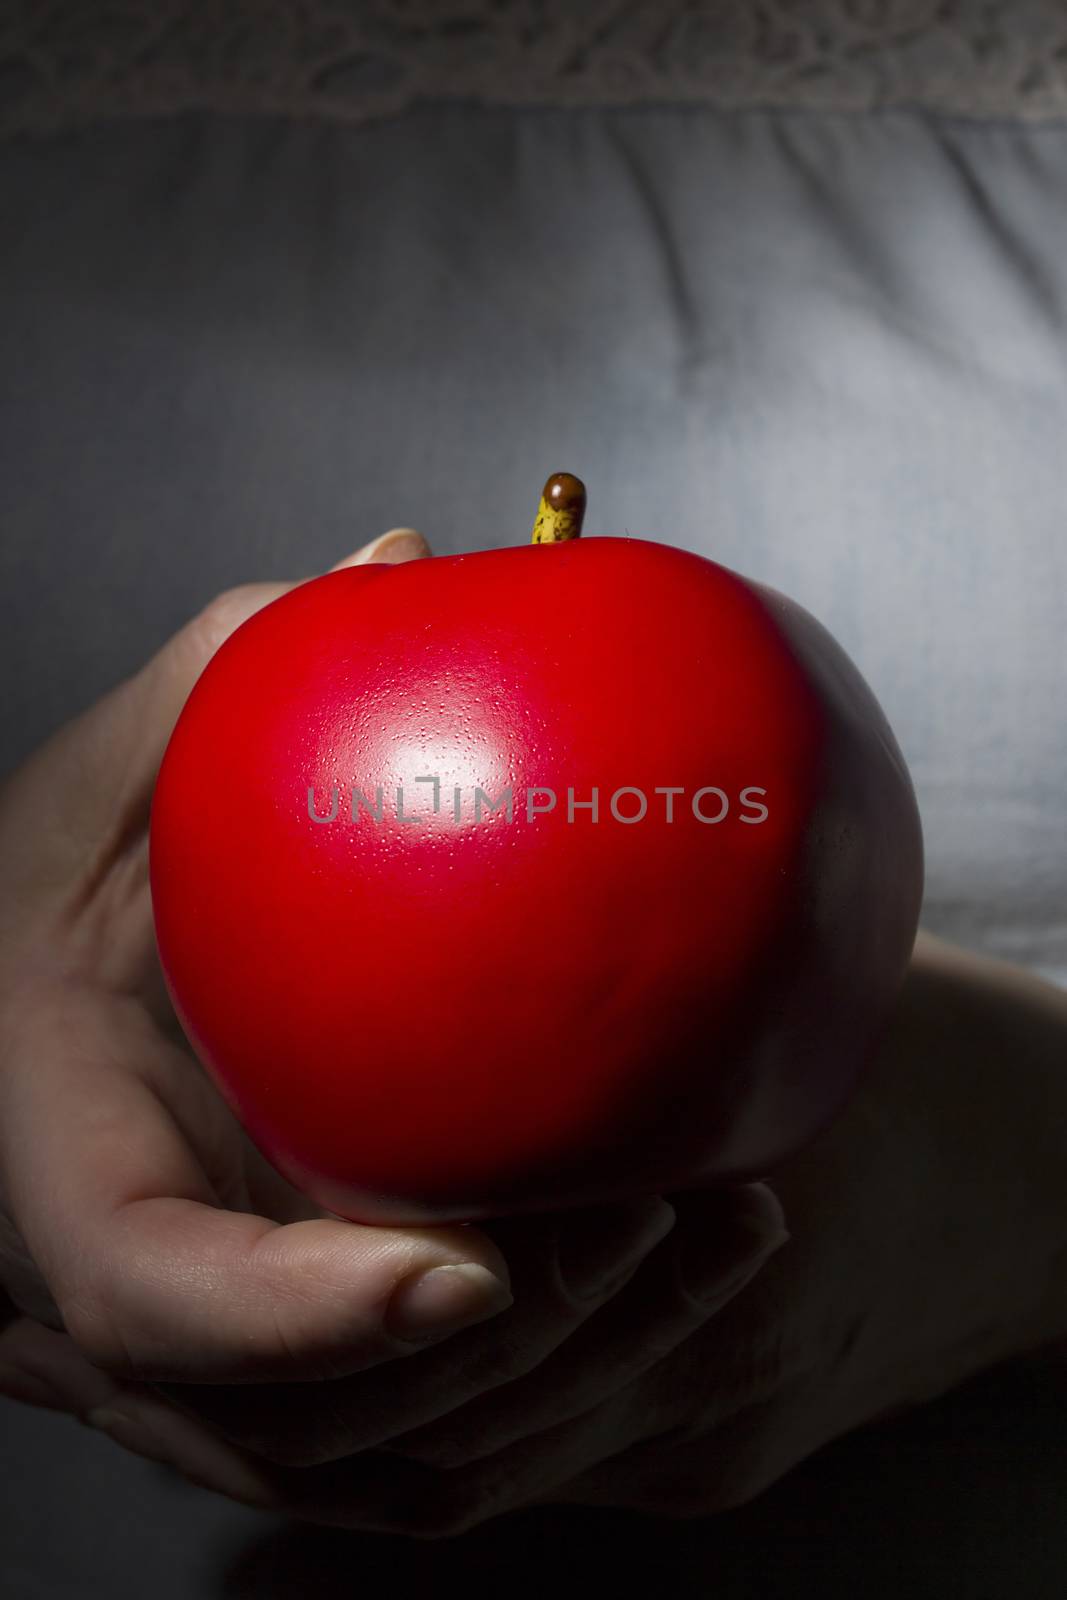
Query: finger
(714, 1468)
(40, 1367)
(115, 749)
(155, 696)
(379, 1493)
(399, 544)
(719, 1244)
(152, 1278)
(558, 1285)
(130, 726)
(384, 1493)
(116, 745)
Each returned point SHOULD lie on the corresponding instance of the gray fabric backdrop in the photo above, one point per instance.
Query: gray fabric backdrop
(828, 351)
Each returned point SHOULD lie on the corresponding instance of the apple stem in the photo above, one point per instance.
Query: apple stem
(560, 513)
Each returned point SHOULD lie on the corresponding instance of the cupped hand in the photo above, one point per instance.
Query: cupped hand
(928, 1241)
(167, 1285)
(138, 1223)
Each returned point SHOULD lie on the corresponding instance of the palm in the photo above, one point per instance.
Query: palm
(242, 1180)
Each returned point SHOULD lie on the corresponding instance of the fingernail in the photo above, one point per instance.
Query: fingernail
(714, 1266)
(709, 1285)
(130, 1432)
(434, 1304)
(163, 1435)
(399, 544)
(603, 1248)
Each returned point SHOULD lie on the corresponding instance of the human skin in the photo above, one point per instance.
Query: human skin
(172, 1290)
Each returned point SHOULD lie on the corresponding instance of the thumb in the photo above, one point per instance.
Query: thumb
(399, 544)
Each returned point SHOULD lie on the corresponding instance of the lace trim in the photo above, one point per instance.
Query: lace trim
(63, 64)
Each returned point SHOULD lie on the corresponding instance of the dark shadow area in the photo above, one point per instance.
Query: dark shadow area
(963, 1497)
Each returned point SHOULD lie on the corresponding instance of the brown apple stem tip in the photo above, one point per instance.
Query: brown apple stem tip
(559, 516)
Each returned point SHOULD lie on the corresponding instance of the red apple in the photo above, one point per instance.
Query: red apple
(473, 1013)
